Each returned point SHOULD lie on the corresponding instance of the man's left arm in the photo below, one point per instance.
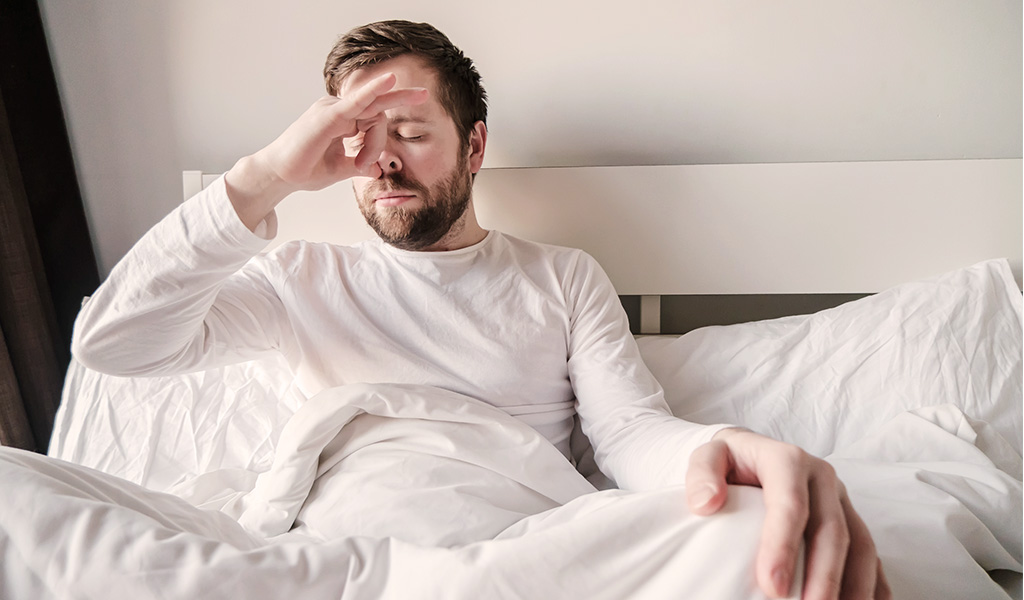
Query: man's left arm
(639, 444)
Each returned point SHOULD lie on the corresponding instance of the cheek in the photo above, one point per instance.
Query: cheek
(359, 185)
(429, 163)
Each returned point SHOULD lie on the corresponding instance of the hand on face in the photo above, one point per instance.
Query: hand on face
(804, 503)
(310, 154)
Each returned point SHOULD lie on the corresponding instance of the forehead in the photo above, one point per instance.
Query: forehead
(410, 71)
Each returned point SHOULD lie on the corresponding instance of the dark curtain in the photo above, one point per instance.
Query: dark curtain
(47, 263)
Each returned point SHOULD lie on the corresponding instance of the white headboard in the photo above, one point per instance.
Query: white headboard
(735, 229)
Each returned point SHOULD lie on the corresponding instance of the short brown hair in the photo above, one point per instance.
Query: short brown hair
(461, 92)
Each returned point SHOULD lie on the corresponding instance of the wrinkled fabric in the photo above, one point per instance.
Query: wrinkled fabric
(533, 329)
(363, 499)
(375, 492)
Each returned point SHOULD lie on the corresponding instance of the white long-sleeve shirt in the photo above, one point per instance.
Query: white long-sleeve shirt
(533, 329)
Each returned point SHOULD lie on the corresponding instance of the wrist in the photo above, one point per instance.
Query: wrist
(254, 190)
(729, 432)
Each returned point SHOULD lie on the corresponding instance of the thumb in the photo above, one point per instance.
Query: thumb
(706, 484)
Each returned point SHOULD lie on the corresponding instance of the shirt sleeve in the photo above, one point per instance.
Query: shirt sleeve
(637, 442)
(177, 302)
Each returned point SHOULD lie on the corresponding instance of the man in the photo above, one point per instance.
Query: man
(438, 300)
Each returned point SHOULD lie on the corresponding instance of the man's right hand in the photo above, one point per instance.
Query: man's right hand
(310, 154)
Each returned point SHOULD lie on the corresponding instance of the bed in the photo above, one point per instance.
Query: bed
(868, 312)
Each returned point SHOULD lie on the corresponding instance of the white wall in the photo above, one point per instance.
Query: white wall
(152, 88)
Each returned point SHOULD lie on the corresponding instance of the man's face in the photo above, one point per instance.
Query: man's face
(425, 185)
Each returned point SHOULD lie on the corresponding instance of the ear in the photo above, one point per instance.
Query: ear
(477, 145)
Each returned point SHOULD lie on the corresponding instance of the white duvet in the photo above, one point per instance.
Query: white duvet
(412, 492)
(424, 493)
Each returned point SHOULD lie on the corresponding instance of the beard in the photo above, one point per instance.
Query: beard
(443, 206)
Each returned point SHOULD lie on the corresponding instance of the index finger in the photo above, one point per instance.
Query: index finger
(394, 99)
(787, 510)
(343, 114)
(364, 95)
(376, 96)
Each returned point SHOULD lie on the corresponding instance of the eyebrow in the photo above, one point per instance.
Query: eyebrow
(401, 119)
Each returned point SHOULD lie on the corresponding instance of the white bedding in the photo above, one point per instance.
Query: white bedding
(824, 381)
(427, 494)
(913, 394)
(603, 545)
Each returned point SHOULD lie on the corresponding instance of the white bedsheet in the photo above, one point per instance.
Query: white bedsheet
(940, 503)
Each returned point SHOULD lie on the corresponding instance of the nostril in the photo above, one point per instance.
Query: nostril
(393, 165)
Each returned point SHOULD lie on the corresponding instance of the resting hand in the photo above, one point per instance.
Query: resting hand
(804, 502)
(310, 154)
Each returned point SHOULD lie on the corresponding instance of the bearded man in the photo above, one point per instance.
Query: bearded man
(437, 300)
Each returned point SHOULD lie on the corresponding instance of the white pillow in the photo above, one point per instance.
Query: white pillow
(823, 381)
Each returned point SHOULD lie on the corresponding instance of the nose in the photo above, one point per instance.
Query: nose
(389, 161)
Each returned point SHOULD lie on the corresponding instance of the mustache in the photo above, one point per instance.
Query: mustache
(395, 181)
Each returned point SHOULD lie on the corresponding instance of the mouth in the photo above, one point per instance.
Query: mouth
(389, 199)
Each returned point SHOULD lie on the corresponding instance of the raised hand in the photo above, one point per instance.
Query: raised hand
(310, 154)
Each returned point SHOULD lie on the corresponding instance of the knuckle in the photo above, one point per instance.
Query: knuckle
(833, 583)
(825, 469)
(794, 455)
(838, 533)
(795, 509)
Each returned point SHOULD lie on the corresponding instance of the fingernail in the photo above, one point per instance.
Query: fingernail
(781, 582)
(700, 497)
